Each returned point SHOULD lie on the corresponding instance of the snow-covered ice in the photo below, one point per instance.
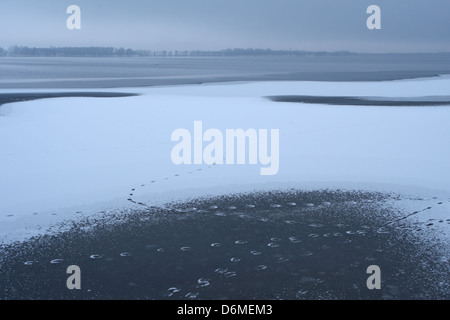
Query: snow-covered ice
(63, 156)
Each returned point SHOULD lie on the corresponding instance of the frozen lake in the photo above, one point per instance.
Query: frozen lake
(89, 181)
(63, 72)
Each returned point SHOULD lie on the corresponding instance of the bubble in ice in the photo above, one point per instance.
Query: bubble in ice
(221, 270)
(382, 230)
(300, 294)
(240, 242)
(191, 295)
(275, 205)
(275, 239)
(316, 225)
(327, 235)
(337, 234)
(215, 245)
(186, 210)
(96, 256)
(125, 254)
(234, 259)
(56, 261)
(214, 207)
(185, 248)
(230, 274)
(173, 290)
(349, 232)
(313, 235)
(294, 240)
(264, 220)
(203, 282)
(282, 260)
(326, 203)
(29, 263)
(255, 252)
(291, 204)
(310, 204)
(220, 214)
(261, 267)
(361, 232)
(250, 206)
(161, 250)
(273, 245)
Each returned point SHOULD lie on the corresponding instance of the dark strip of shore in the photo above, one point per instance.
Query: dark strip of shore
(20, 97)
(367, 101)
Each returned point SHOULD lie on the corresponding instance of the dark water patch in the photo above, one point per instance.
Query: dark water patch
(85, 72)
(20, 97)
(168, 253)
(366, 101)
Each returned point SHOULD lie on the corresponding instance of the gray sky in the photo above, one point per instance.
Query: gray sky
(407, 26)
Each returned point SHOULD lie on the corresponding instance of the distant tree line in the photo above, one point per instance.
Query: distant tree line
(24, 51)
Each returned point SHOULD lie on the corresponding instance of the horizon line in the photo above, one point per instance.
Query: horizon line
(224, 50)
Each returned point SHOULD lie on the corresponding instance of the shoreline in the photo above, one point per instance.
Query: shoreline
(366, 101)
(431, 101)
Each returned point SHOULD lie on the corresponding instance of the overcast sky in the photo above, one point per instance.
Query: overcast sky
(407, 26)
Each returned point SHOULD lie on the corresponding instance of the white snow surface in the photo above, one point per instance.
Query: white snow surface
(61, 156)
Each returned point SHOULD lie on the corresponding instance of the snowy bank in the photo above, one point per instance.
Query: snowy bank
(65, 155)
